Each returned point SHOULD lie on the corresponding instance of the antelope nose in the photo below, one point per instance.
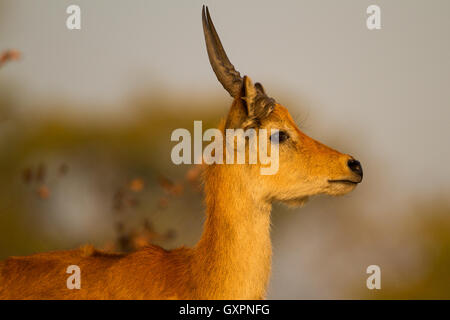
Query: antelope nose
(355, 166)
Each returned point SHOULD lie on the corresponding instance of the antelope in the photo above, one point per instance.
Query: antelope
(232, 259)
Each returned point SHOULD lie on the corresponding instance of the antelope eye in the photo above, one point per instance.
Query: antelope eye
(280, 136)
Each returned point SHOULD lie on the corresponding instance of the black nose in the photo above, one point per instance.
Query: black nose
(355, 166)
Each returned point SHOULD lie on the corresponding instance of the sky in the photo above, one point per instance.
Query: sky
(385, 92)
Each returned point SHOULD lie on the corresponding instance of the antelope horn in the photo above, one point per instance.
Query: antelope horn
(230, 79)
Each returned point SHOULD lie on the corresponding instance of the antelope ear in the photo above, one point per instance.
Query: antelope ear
(243, 107)
(249, 96)
(260, 88)
(237, 114)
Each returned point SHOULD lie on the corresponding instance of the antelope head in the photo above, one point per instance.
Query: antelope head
(306, 166)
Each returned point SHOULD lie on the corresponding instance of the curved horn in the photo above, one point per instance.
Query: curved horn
(230, 79)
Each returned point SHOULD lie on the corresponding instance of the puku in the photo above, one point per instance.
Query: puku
(232, 259)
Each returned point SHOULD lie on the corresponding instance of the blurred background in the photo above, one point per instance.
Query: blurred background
(86, 118)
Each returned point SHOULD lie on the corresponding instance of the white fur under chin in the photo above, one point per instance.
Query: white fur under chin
(296, 203)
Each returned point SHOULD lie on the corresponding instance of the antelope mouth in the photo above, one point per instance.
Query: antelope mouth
(344, 181)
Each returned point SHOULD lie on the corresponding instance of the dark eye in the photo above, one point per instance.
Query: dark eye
(280, 136)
